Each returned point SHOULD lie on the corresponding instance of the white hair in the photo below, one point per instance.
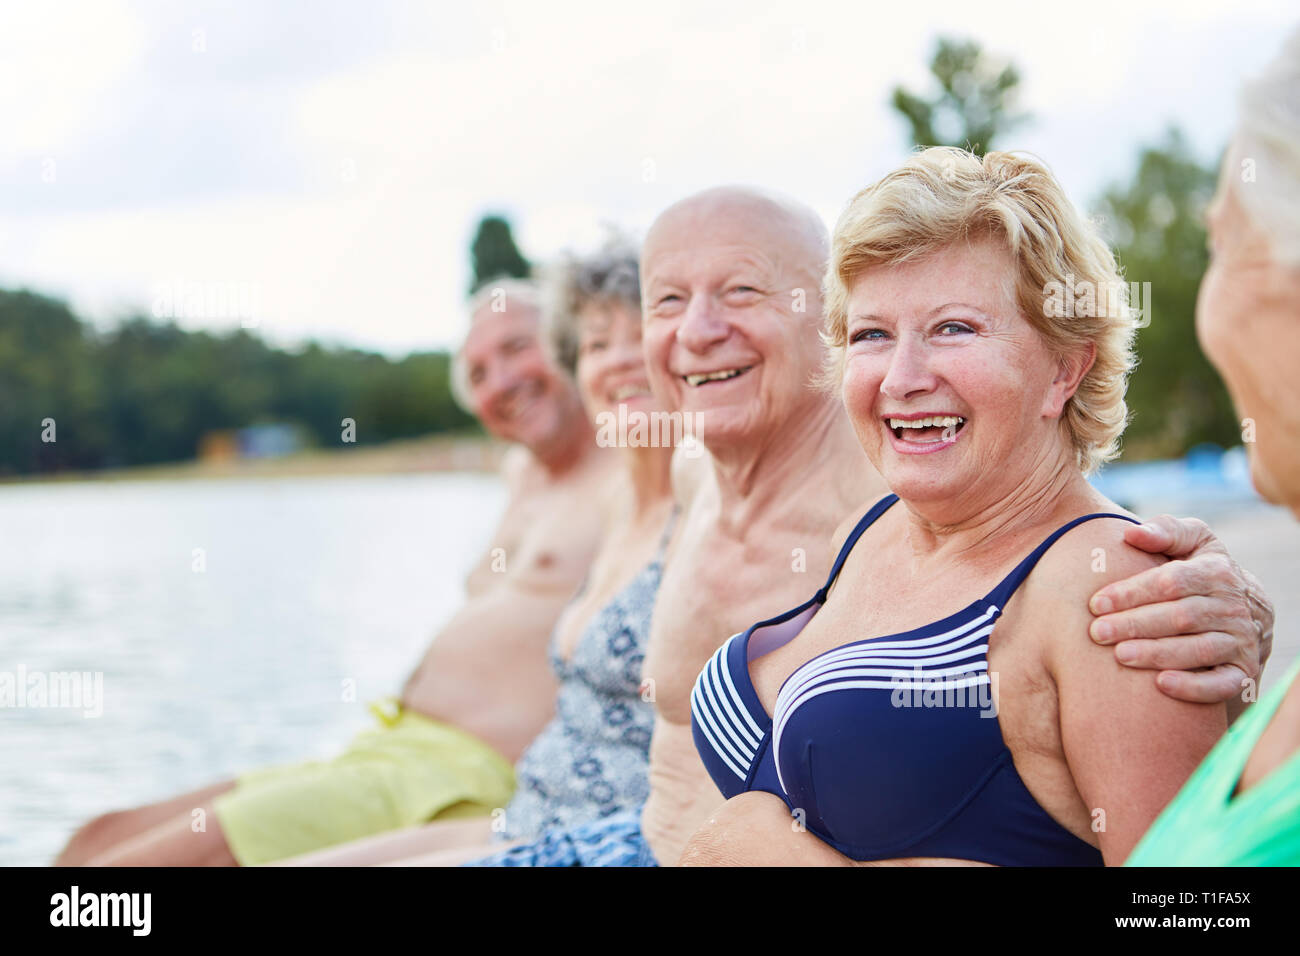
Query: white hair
(1266, 153)
(500, 294)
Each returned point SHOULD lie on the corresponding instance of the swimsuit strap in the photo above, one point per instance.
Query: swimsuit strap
(667, 533)
(999, 596)
(865, 522)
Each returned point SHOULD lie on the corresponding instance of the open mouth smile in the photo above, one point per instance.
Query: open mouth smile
(917, 434)
(696, 379)
(520, 401)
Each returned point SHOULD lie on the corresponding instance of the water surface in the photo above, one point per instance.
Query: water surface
(219, 660)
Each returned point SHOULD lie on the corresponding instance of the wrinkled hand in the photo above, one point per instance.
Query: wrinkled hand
(1200, 619)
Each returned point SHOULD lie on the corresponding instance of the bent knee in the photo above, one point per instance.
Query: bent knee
(106, 823)
(94, 835)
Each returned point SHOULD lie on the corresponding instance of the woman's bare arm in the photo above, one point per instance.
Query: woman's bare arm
(757, 829)
(1129, 748)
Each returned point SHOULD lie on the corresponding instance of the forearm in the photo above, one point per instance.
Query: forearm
(757, 829)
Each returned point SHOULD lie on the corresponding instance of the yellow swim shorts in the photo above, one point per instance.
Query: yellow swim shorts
(407, 771)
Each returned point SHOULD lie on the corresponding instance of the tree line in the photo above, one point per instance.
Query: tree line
(147, 391)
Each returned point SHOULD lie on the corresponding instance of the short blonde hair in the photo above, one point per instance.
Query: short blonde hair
(943, 194)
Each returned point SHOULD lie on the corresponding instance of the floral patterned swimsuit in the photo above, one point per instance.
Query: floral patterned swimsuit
(591, 761)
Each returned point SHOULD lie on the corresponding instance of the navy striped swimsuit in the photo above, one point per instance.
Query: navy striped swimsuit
(886, 747)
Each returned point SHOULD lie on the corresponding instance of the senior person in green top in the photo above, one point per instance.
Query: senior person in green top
(983, 406)
(1242, 806)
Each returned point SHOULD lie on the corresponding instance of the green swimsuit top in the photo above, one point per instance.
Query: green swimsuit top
(1204, 825)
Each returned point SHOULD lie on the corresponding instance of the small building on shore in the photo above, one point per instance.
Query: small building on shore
(269, 440)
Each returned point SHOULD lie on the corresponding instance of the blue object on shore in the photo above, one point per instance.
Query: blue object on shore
(268, 441)
(1206, 480)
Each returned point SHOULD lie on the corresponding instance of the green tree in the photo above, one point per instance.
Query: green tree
(148, 391)
(1155, 224)
(974, 103)
(493, 253)
(47, 375)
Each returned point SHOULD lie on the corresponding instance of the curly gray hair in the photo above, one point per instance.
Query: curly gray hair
(610, 276)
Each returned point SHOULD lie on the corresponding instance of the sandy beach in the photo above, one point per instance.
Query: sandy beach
(432, 453)
(1266, 540)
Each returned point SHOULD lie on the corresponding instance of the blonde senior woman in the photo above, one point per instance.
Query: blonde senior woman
(1242, 806)
(939, 699)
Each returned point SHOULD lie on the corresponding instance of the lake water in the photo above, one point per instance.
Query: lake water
(237, 657)
(225, 617)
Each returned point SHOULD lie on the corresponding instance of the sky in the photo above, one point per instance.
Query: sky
(316, 170)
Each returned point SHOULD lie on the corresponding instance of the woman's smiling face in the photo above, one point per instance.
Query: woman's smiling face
(611, 365)
(952, 393)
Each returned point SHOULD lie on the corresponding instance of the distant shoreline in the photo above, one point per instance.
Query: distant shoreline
(433, 453)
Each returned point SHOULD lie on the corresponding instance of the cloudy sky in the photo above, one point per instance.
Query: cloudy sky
(328, 161)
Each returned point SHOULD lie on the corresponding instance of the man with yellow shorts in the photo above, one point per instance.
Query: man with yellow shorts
(404, 772)
(484, 689)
